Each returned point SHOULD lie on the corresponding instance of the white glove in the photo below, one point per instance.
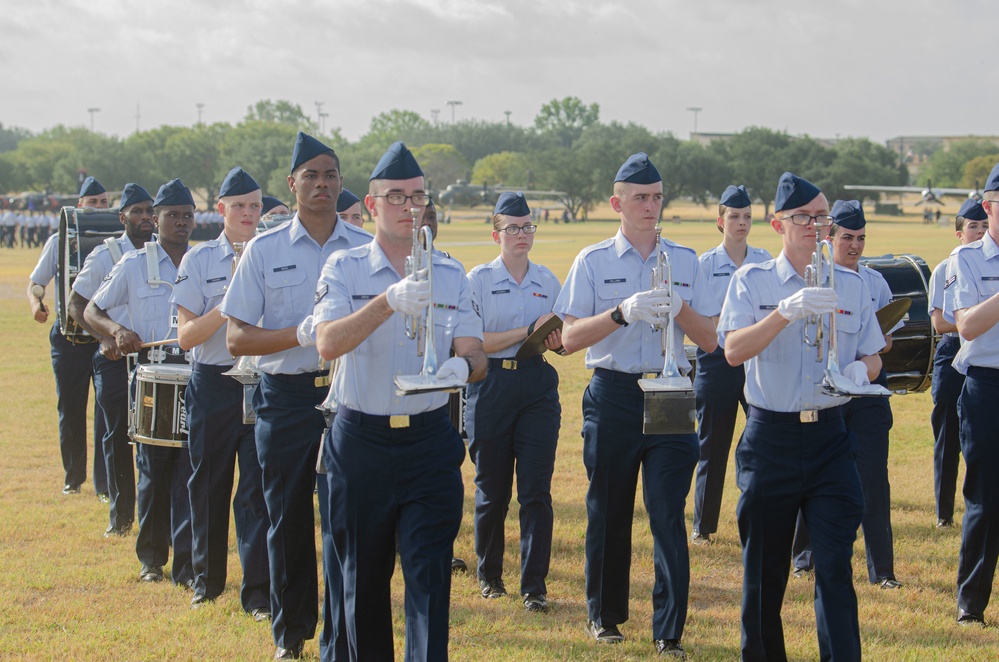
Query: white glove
(650, 306)
(856, 372)
(808, 301)
(306, 332)
(455, 367)
(408, 296)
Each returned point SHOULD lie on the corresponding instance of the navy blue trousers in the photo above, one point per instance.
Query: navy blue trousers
(718, 390)
(870, 419)
(218, 438)
(111, 388)
(980, 532)
(614, 451)
(73, 367)
(783, 468)
(164, 509)
(288, 430)
(513, 418)
(388, 484)
(946, 389)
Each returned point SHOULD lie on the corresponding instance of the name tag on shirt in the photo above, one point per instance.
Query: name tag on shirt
(990, 277)
(362, 297)
(500, 292)
(765, 306)
(214, 280)
(722, 274)
(615, 280)
(288, 267)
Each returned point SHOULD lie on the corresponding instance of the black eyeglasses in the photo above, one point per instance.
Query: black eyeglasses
(515, 229)
(805, 219)
(397, 199)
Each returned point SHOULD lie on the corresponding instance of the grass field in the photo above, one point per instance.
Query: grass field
(69, 593)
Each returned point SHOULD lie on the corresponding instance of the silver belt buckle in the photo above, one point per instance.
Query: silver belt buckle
(399, 421)
(809, 416)
(509, 364)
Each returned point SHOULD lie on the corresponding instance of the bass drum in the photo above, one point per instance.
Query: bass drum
(909, 363)
(80, 232)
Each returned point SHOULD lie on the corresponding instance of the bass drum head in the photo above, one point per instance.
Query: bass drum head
(909, 363)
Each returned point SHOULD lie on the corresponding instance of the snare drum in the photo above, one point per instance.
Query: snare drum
(909, 363)
(80, 232)
(159, 415)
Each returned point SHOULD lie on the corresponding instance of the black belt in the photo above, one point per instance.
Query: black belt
(516, 364)
(807, 416)
(399, 421)
(615, 376)
(320, 379)
(209, 368)
(983, 373)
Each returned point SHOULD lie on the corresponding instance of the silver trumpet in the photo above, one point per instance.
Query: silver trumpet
(669, 399)
(815, 335)
(419, 266)
(245, 370)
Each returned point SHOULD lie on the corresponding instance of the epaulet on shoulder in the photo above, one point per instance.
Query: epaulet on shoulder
(759, 251)
(350, 227)
(673, 244)
(757, 265)
(974, 244)
(447, 260)
(601, 245)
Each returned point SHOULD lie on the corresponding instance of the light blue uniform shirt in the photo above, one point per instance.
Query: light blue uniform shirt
(786, 376)
(274, 286)
(881, 294)
(95, 269)
(938, 281)
(973, 277)
(605, 274)
(718, 267)
(202, 280)
(364, 380)
(150, 313)
(48, 262)
(505, 304)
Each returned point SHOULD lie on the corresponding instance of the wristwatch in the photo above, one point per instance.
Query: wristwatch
(618, 317)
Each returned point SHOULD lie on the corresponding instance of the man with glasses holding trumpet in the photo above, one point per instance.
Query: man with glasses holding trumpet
(608, 308)
(796, 452)
(393, 460)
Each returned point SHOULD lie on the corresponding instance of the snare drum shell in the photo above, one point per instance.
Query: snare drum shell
(160, 416)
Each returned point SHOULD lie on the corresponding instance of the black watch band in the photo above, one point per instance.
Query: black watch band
(618, 317)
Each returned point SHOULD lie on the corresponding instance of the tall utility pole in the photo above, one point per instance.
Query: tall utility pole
(508, 113)
(322, 122)
(434, 114)
(453, 104)
(138, 116)
(200, 107)
(92, 111)
(320, 115)
(695, 110)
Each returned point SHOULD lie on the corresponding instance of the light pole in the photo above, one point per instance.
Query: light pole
(434, 114)
(319, 115)
(695, 110)
(200, 107)
(322, 122)
(92, 111)
(508, 113)
(453, 104)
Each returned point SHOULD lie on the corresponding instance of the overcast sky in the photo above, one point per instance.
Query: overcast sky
(875, 68)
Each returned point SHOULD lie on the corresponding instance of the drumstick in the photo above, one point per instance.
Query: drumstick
(39, 292)
(158, 343)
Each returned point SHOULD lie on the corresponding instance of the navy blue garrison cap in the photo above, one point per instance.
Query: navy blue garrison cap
(306, 149)
(269, 203)
(346, 201)
(992, 183)
(133, 194)
(91, 187)
(397, 163)
(238, 182)
(512, 204)
(848, 214)
(735, 197)
(794, 192)
(173, 194)
(638, 170)
(972, 210)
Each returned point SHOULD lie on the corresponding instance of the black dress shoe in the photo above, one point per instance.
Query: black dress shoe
(118, 531)
(492, 588)
(670, 648)
(151, 573)
(261, 614)
(293, 653)
(70, 489)
(604, 634)
(945, 523)
(536, 602)
(889, 583)
(200, 600)
(458, 565)
(966, 619)
(699, 538)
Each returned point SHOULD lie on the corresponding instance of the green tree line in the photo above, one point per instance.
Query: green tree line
(567, 149)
